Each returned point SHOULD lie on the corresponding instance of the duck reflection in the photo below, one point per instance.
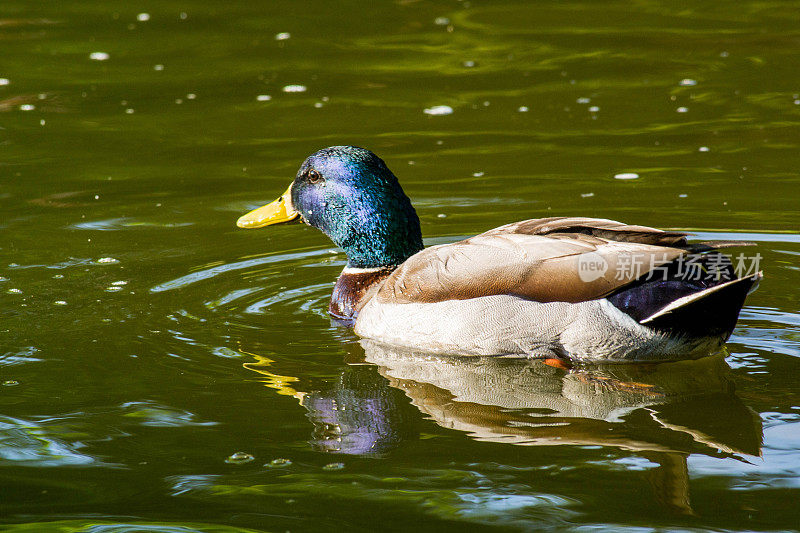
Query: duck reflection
(687, 406)
(360, 415)
(663, 412)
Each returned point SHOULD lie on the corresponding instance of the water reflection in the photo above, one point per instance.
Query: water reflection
(662, 412)
(360, 415)
(688, 406)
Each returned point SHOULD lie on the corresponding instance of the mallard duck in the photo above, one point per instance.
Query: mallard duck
(577, 288)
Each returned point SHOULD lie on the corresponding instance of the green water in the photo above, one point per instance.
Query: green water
(144, 339)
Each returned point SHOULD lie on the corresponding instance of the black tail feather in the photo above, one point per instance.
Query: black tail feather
(698, 295)
(710, 312)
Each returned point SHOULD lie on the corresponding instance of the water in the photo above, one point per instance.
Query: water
(146, 340)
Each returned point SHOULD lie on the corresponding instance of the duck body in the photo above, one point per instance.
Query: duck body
(578, 288)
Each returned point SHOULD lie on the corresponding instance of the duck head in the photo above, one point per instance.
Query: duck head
(349, 194)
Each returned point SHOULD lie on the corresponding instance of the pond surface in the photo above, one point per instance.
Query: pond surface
(163, 370)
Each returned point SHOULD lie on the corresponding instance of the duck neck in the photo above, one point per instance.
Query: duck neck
(379, 234)
(376, 247)
(352, 290)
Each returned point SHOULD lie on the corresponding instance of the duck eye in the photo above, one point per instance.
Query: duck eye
(314, 176)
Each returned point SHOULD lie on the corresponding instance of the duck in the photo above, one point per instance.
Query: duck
(570, 288)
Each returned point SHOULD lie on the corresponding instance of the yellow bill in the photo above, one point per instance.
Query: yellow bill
(281, 210)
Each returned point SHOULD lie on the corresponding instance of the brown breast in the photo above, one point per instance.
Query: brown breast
(352, 291)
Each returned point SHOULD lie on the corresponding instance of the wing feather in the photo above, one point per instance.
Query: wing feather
(542, 259)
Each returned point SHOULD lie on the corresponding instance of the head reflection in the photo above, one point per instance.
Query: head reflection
(360, 415)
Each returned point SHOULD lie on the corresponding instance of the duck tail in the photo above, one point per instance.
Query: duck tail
(709, 312)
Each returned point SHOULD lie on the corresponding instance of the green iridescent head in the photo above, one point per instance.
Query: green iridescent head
(350, 195)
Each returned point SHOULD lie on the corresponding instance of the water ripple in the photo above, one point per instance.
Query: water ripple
(26, 443)
(288, 296)
(154, 415)
(208, 273)
(20, 357)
